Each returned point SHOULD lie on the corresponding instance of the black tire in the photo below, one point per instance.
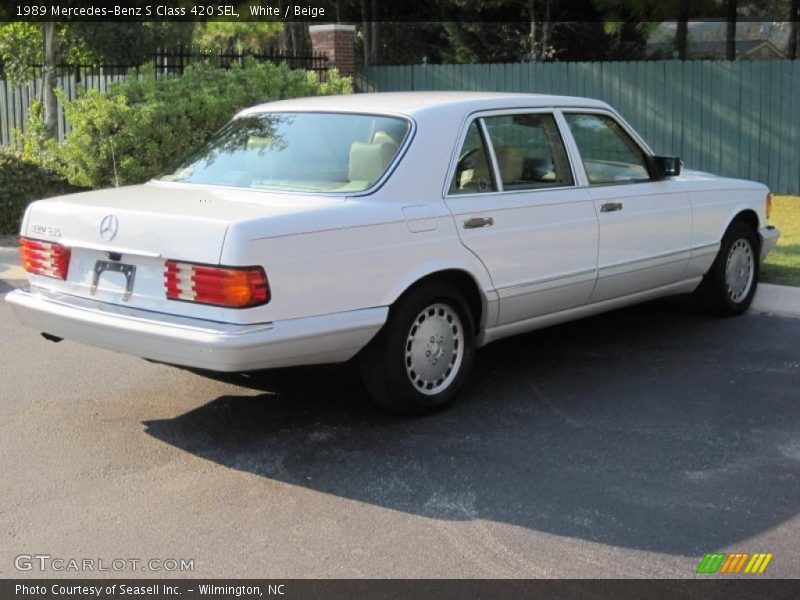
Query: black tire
(387, 363)
(721, 296)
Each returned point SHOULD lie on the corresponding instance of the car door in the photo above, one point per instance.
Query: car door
(645, 225)
(513, 195)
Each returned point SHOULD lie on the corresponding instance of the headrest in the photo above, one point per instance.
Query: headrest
(369, 161)
(381, 137)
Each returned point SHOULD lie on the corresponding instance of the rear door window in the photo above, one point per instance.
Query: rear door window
(529, 150)
(473, 171)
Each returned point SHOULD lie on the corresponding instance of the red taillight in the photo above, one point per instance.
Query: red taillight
(235, 287)
(44, 258)
(769, 205)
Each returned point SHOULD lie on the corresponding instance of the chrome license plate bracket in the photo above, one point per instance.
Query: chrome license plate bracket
(116, 267)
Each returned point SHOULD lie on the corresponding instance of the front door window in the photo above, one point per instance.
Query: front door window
(609, 154)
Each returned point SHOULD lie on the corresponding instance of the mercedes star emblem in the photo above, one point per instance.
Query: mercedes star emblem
(109, 227)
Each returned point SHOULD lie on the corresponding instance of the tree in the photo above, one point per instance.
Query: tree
(87, 43)
(730, 29)
(544, 28)
(794, 29)
(20, 47)
(370, 32)
(23, 45)
(680, 11)
(126, 43)
(49, 79)
(682, 31)
(412, 43)
(239, 35)
(293, 38)
(221, 35)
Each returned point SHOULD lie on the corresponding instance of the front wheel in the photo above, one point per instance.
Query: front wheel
(730, 284)
(418, 361)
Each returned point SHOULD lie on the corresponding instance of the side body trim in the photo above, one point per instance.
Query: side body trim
(497, 333)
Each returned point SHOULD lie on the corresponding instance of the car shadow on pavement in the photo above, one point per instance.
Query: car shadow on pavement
(652, 428)
(9, 285)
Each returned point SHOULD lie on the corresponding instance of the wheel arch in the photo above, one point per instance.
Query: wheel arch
(482, 304)
(748, 216)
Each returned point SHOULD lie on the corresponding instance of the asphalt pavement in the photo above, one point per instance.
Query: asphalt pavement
(626, 445)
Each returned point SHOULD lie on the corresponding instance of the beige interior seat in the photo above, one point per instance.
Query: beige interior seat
(381, 137)
(477, 178)
(368, 160)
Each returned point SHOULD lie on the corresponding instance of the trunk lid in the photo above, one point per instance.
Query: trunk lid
(143, 226)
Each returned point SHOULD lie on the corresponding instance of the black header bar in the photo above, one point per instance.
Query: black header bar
(328, 11)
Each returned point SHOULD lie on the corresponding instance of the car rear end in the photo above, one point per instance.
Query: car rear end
(137, 270)
(140, 269)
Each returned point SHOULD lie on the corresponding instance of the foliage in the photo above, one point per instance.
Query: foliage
(142, 127)
(475, 42)
(409, 43)
(239, 35)
(20, 46)
(218, 35)
(481, 42)
(22, 181)
(35, 145)
(81, 42)
(123, 43)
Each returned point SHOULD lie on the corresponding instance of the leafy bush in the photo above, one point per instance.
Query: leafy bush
(21, 182)
(36, 145)
(141, 127)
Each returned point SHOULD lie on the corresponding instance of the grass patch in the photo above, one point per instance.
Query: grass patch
(782, 265)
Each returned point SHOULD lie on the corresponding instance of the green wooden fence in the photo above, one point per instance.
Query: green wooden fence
(740, 119)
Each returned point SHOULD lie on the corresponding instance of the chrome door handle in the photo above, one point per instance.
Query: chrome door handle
(477, 222)
(610, 206)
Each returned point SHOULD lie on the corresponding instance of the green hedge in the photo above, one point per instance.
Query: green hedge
(147, 125)
(21, 182)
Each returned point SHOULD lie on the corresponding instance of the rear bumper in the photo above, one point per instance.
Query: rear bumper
(769, 237)
(194, 342)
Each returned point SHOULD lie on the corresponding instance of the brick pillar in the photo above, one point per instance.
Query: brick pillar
(337, 42)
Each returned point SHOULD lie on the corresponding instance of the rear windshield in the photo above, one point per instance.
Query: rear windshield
(307, 152)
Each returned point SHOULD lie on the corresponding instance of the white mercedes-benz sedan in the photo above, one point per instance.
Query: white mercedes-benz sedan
(403, 229)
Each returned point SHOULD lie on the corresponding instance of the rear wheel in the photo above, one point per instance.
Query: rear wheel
(420, 359)
(730, 284)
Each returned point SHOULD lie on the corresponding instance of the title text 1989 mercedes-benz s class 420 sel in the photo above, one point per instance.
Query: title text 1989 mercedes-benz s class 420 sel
(406, 229)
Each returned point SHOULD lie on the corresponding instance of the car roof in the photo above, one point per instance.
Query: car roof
(416, 103)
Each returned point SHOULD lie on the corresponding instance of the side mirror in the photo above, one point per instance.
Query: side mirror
(665, 166)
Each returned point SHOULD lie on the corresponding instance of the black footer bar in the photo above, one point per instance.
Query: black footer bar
(400, 589)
